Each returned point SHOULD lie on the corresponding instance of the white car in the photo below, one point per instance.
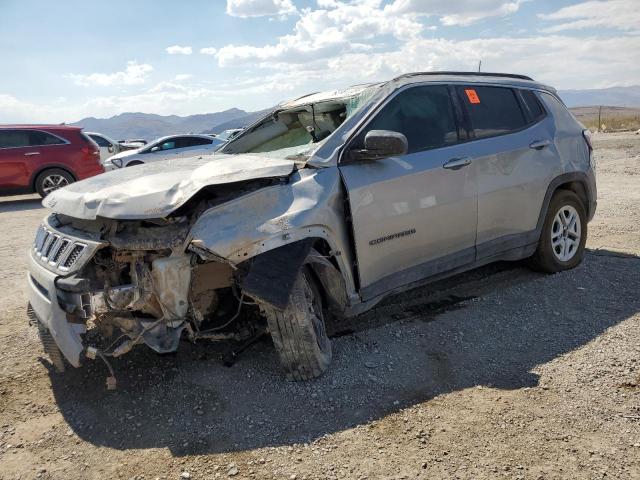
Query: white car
(227, 135)
(108, 146)
(165, 148)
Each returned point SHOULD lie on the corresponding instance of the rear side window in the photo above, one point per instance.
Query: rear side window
(492, 110)
(423, 114)
(184, 142)
(14, 138)
(532, 104)
(37, 138)
(101, 141)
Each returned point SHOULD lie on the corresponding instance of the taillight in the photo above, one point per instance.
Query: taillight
(587, 138)
(90, 152)
(586, 134)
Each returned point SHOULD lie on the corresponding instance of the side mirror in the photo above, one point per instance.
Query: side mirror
(381, 144)
(111, 149)
(155, 149)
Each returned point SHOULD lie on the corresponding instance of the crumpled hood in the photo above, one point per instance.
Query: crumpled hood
(156, 189)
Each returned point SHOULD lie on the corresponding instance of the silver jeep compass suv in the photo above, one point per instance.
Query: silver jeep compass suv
(312, 214)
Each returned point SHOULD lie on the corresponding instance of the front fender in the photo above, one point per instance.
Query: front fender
(310, 205)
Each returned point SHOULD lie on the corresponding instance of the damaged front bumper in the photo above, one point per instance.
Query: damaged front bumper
(65, 296)
(44, 302)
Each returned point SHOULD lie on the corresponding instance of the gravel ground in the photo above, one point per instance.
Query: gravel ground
(497, 373)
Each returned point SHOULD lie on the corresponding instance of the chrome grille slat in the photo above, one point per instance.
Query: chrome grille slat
(75, 253)
(51, 239)
(60, 249)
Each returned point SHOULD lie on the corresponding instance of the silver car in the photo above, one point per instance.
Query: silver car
(164, 148)
(314, 213)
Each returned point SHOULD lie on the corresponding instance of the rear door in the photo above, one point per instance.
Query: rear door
(413, 215)
(511, 164)
(15, 153)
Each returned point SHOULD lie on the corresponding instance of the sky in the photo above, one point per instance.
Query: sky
(65, 60)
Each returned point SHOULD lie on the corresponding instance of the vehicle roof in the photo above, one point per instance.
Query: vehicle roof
(471, 77)
(201, 135)
(43, 127)
(420, 77)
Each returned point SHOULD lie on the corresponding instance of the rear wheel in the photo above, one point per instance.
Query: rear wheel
(299, 333)
(564, 234)
(51, 180)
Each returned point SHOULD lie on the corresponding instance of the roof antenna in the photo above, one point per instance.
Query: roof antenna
(479, 65)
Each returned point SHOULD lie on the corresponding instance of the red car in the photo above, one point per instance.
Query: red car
(43, 158)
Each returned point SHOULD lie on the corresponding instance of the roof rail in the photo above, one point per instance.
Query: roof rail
(479, 74)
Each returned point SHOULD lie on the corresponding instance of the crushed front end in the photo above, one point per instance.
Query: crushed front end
(100, 287)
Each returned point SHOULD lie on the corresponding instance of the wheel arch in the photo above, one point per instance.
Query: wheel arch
(269, 276)
(49, 166)
(576, 182)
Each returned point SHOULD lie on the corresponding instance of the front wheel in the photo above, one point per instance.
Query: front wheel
(51, 180)
(299, 333)
(564, 234)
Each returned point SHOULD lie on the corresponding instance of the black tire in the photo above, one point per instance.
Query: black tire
(52, 179)
(299, 333)
(134, 163)
(547, 256)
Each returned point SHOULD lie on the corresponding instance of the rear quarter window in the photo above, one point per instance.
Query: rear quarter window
(492, 110)
(38, 138)
(533, 106)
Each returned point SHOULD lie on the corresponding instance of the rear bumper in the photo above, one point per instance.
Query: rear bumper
(43, 298)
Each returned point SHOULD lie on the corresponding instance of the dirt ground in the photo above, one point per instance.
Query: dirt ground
(497, 373)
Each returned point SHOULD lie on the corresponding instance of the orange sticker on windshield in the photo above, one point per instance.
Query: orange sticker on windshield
(472, 95)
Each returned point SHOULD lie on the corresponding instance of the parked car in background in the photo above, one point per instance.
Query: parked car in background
(316, 212)
(227, 135)
(137, 142)
(165, 148)
(43, 158)
(108, 146)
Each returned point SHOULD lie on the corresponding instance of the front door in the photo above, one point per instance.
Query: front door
(413, 215)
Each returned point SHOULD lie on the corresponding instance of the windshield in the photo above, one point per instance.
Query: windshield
(298, 129)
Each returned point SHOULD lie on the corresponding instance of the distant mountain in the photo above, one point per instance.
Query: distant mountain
(614, 97)
(150, 126)
(239, 122)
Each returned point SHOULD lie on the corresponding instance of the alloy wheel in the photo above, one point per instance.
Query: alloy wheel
(565, 233)
(53, 182)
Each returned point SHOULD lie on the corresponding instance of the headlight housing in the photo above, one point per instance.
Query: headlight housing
(117, 162)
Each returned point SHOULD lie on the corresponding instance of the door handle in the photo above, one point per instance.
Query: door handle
(539, 144)
(29, 154)
(457, 163)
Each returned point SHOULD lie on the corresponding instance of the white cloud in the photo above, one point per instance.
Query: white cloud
(134, 74)
(208, 51)
(325, 32)
(459, 12)
(617, 14)
(181, 77)
(260, 8)
(585, 62)
(178, 50)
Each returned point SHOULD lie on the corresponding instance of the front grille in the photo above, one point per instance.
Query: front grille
(57, 251)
